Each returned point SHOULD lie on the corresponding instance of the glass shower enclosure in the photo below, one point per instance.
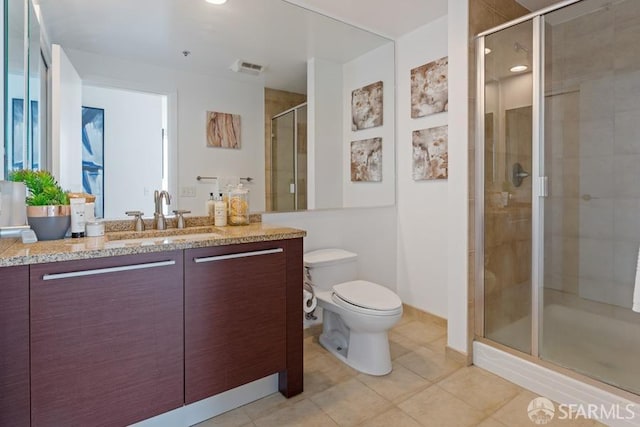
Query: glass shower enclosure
(558, 187)
(289, 160)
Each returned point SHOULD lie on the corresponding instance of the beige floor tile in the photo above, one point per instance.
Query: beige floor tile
(406, 318)
(479, 388)
(514, 414)
(491, 422)
(330, 367)
(322, 371)
(421, 332)
(315, 382)
(438, 345)
(400, 383)
(428, 363)
(235, 418)
(265, 405)
(350, 402)
(393, 417)
(436, 407)
(399, 345)
(303, 413)
(311, 347)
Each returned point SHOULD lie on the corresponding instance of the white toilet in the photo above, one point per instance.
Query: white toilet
(356, 314)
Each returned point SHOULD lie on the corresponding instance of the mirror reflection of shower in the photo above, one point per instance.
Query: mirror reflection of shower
(522, 58)
(289, 160)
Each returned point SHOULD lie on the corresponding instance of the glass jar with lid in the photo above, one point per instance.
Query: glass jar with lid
(238, 213)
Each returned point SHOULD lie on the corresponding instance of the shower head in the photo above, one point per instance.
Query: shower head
(519, 47)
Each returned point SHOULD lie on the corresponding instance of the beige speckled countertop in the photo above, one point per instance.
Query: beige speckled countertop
(14, 252)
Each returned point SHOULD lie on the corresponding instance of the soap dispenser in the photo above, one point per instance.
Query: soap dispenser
(210, 207)
(220, 212)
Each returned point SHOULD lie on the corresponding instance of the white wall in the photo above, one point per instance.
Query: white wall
(66, 121)
(190, 96)
(423, 212)
(324, 134)
(369, 68)
(369, 232)
(132, 147)
(458, 199)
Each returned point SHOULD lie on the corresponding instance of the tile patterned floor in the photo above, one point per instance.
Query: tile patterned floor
(425, 389)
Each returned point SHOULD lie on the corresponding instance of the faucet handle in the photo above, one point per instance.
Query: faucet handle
(179, 213)
(138, 221)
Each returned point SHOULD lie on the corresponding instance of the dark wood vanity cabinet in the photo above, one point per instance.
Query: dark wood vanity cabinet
(239, 301)
(112, 341)
(14, 346)
(106, 340)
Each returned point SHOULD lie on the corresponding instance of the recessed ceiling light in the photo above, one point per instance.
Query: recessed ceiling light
(487, 51)
(518, 68)
(218, 2)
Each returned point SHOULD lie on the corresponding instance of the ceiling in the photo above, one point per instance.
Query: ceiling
(273, 33)
(389, 18)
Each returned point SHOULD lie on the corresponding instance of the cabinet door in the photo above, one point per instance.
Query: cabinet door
(14, 346)
(106, 340)
(235, 316)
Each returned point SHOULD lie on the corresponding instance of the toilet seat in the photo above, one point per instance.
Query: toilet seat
(366, 297)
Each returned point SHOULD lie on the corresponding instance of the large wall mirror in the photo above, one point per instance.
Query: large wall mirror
(148, 95)
(25, 71)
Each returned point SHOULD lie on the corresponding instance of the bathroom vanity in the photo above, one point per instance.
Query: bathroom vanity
(109, 333)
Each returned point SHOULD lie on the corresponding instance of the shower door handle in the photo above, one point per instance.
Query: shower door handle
(518, 174)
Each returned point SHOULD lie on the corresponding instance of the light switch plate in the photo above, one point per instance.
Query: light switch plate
(187, 191)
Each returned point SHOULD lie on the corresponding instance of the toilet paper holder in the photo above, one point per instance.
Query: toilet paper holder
(310, 302)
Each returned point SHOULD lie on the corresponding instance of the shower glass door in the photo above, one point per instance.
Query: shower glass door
(289, 160)
(592, 214)
(558, 169)
(507, 186)
(282, 162)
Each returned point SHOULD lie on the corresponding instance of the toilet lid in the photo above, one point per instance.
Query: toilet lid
(368, 295)
(324, 257)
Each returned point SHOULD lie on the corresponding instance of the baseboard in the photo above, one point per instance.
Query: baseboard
(207, 408)
(417, 313)
(457, 356)
(551, 384)
(313, 331)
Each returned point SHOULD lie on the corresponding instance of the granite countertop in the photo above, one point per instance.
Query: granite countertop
(14, 252)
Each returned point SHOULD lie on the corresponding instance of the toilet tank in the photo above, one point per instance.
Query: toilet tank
(328, 267)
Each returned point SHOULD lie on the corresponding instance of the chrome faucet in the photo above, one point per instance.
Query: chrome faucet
(159, 222)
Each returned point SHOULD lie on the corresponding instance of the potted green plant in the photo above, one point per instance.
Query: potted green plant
(48, 209)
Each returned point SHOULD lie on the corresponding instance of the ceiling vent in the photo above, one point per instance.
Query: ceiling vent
(241, 66)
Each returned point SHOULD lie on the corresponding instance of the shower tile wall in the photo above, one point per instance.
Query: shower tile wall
(275, 102)
(483, 15)
(593, 128)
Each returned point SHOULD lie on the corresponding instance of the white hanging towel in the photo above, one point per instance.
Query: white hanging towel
(636, 289)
